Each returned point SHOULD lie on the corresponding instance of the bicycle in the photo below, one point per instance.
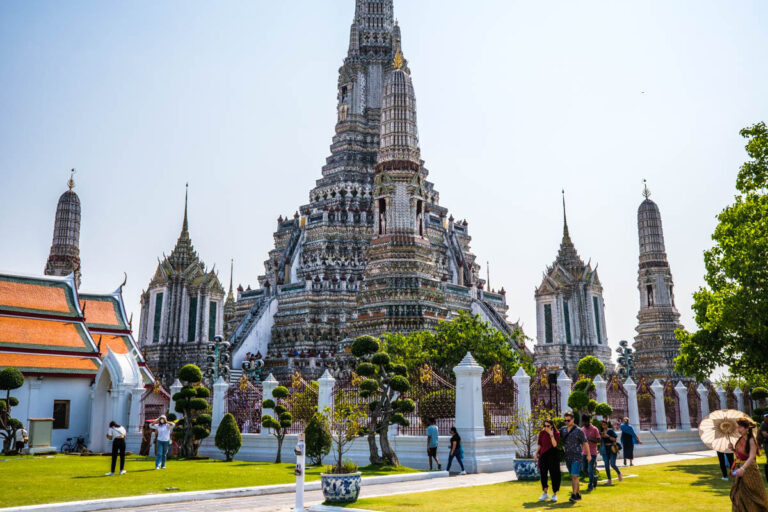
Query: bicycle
(74, 445)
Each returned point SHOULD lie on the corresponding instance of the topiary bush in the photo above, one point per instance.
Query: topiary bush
(10, 378)
(585, 385)
(591, 367)
(758, 393)
(283, 420)
(604, 410)
(228, 438)
(318, 438)
(191, 403)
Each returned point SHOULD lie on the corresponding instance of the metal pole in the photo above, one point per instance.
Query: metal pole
(299, 451)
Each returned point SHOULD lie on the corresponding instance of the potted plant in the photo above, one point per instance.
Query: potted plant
(524, 430)
(341, 481)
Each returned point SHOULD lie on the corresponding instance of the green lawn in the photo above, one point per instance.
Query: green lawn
(689, 486)
(35, 480)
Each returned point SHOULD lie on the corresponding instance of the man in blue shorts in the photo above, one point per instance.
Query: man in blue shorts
(432, 437)
(574, 444)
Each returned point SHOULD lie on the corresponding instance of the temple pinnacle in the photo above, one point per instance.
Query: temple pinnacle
(231, 273)
(185, 224)
(646, 192)
(71, 181)
(565, 219)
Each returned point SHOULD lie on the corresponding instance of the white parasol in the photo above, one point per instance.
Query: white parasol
(719, 429)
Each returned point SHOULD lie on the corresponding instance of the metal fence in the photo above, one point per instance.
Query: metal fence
(244, 403)
(499, 400)
(435, 397)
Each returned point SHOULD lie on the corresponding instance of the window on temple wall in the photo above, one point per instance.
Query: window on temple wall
(158, 317)
(649, 294)
(343, 93)
(192, 323)
(671, 297)
(418, 217)
(382, 214)
(567, 319)
(61, 414)
(211, 320)
(548, 323)
(596, 309)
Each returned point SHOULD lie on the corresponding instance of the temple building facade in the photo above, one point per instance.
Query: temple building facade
(373, 250)
(656, 346)
(570, 312)
(64, 258)
(182, 310)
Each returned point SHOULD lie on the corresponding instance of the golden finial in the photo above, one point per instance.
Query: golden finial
(398, 63)
(71, 182)
(646, 192)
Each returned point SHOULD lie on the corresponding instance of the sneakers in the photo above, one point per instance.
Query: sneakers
(725, 479)
(620, 477)
(554, 498)
(157, 467)
(108, 474)
(578, 497)
(572, 499)
(463, 473)
(544, 497)
(122, 471)
(439, 467)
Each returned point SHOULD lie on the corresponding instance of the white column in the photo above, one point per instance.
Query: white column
(634, 413)
(661, 414)
(601, 390)
(134, 419)
(469, 398)
(682, 398)
(325, 386)
(721, 396)
(175, 388)
(220, 388)
(564, 387)
(523, 384)
(268, 386)
(703, 392)
(739, 398)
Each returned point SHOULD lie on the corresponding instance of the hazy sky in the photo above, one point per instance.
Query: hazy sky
(516, 101)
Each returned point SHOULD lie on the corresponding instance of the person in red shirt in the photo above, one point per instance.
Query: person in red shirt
(593, 438)
(549, 459)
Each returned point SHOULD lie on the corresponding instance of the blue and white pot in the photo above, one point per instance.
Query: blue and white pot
(526, 469)
(341, 488)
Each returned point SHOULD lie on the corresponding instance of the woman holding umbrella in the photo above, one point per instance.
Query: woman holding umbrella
(748, 490)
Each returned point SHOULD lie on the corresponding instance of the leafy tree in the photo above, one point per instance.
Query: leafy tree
(385, 382)
(731, 311)
(449, 343)
(318, 438)
(191, 403)
(10, 378)
(228, 437)
(524, 429)
(347, 424)
(284, 419)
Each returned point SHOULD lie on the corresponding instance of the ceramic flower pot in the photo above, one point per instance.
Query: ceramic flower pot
(526, 469)
(341, 488)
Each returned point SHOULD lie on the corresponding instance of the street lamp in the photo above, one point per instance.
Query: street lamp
(217, 361)
(626, 359)
(253, 369)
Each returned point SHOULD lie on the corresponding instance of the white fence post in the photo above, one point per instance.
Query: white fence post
(220, 388)
(682, 400)
(634, 413)
(134, 416)
(739, 398)
(564, 388)
(523, 385)
(661, 414)
(268, 386)
(601, 390)
(721, 396)
(175, 388)
(325, 386)
(469, 398)
(703, 392)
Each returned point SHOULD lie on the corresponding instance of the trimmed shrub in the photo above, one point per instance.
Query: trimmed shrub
(759, 393)
(590, 366)
(318, 438)
(228, 438)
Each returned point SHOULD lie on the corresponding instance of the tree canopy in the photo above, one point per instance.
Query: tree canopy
(731, 311)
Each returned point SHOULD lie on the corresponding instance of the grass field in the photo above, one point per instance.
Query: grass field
(689, 486)
(35, 480)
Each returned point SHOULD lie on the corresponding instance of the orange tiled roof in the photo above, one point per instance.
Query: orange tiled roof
(118, 344)
(101, 312)
(49, 363)
(37, 333)
(35, 296)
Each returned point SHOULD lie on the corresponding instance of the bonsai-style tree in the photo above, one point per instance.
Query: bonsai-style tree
(191, 403)
(524, 429)
(284, 419)
(347, 424)
(759, 394)
(589, 367)
(10, 378)
(228, 437)
(385, 383)
(318, 438)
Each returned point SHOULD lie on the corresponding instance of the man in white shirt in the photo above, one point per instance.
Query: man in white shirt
(164, 429)
(117, 433)
(21, 439)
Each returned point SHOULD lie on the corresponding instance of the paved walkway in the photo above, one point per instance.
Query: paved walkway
(284, 502)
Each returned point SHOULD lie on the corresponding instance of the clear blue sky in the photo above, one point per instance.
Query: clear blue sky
(516, 100)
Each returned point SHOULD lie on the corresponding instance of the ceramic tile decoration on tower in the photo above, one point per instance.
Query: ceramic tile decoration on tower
(373, 250)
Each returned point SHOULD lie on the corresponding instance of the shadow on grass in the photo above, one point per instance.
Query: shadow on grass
(708, 477)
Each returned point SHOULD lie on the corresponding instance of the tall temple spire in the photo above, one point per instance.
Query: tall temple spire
(374, 15)
(231, 273)
(185, 224)
(183, 253)
(567, 256)
(565, 219)
(64, 258)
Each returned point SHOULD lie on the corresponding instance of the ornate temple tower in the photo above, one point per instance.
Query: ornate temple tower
(570, 316)
(229, 305)
(64, 258)
(655, 344)
(181, 310)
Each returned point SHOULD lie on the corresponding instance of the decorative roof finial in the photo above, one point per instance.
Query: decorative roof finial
(398, 62)
(185, 225)
(71, 182)
(231, 273)
(565, 218)
(646, 192)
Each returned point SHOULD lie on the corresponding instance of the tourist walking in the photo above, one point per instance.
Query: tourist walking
(610, 448)
(748, 489)
(593, 439)
(574, 444)
(726, 461)
(628, 441)
(22, 437)
(548, 457)
(164, 429)
(432, 439)
(456, 452)
(116, 434)
(763, 436)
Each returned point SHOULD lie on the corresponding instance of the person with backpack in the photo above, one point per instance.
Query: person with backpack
(610, 448)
